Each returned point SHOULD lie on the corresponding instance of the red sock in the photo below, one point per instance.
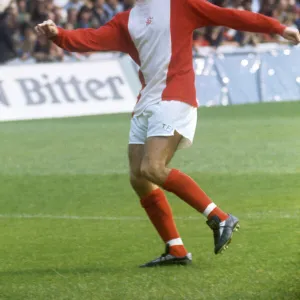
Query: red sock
(160, 214)
(187, 189)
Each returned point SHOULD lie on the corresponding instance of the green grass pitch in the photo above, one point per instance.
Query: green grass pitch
(71, 228)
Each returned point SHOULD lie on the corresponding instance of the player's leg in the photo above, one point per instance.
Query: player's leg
(158, 147)
(153, 198)
(156, 205)
(168, 127)
(141, 185)
(154, 167)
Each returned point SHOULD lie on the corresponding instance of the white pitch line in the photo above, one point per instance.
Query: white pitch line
(261, 215)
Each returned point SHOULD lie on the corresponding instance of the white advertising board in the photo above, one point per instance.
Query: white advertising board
(64, 90)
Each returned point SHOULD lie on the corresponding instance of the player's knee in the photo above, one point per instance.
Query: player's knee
(152, 170)
(141, 186)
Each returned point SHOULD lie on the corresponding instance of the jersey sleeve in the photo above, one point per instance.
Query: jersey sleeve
(203, 13)
(109, 37)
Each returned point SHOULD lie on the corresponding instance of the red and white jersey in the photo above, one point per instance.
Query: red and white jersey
(157, 34)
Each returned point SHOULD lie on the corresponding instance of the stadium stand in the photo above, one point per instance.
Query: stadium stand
(18, 18)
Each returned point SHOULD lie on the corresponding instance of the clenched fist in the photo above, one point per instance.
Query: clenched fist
(292, 34)
(47, 29)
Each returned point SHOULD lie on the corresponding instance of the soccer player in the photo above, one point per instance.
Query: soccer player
(157, 34)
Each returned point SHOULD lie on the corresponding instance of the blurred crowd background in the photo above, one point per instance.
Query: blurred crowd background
(18, 18)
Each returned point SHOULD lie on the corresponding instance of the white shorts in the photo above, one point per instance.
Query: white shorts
(163, 119)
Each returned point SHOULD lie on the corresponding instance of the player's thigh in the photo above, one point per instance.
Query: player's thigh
(141, 185)
(135, 157)
(158, 153)
(159, 150)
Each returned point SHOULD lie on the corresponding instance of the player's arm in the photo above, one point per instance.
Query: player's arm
(204, 13)
(107, 38)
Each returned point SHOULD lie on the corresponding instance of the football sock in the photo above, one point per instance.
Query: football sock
(159, 212)
(188, 190)
(176, 247)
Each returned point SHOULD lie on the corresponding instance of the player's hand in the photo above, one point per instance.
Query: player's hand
(47, 29)
(292, 34)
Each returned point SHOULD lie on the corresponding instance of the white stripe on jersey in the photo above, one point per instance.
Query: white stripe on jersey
(150, 30)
